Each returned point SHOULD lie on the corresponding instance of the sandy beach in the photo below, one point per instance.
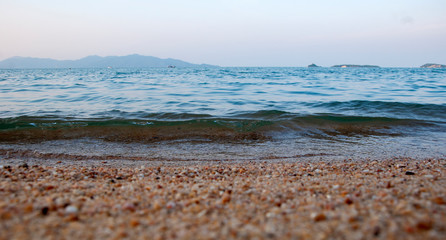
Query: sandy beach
(223, 120)
(388, 199)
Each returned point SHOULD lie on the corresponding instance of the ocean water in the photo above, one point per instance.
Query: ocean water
(225, 113)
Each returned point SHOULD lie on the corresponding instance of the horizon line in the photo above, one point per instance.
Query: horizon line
(249, 66)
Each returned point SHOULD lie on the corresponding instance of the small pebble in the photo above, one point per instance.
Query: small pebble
(134, 223)
(439, 200)
(348, 201)
(170, 205)
(317, 217)
(225, 198)
(410, 173)
(71, 210)
(129, 206)
(44, 211)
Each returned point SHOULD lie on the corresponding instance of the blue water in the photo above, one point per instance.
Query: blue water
(225, 104)
(221, 92)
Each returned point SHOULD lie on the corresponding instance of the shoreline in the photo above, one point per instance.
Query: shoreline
(350, 199)
(87, 152)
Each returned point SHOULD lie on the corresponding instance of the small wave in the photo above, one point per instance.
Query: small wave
(264, 115)
(144, 116)
(261, 125)
(386, 109)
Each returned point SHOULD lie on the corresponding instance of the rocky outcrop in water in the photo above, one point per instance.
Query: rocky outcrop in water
(433, 65)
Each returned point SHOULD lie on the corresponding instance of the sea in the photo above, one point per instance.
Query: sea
(223, 113)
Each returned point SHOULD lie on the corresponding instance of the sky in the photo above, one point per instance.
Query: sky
(388, 33)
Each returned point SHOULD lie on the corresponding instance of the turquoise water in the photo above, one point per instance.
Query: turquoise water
(225, 105)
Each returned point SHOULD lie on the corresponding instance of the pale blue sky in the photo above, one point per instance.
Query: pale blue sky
(404, 33)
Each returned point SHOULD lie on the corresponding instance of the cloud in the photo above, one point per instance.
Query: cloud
(407, 20)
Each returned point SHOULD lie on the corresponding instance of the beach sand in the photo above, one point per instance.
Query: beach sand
(388, 199)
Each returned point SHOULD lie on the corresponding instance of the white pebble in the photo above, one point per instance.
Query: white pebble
(71, 210)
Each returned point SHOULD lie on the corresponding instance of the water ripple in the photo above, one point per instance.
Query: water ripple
(221, 91)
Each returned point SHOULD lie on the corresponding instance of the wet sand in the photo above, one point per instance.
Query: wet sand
(299, 199)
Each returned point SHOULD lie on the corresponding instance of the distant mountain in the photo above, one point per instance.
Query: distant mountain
(433, 65)
(355, 66)
(130, 61)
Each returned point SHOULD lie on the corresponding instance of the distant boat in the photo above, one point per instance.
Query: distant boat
(171, 66)
(355, 66)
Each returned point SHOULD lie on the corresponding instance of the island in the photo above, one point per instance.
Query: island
(355, 66)
(313, 65)
(433, 65)
(129, 61)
